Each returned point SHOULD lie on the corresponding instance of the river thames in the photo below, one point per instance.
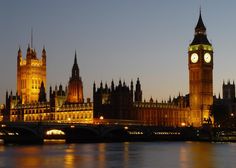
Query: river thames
(117, 155)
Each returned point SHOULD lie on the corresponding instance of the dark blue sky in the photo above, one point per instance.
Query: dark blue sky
(123, 39)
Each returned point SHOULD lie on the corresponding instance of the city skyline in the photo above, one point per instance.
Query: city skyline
(125, 40)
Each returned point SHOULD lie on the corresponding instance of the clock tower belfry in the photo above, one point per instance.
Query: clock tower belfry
(200, 63)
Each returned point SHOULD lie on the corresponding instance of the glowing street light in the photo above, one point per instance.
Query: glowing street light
(126, 127)
(183, 124)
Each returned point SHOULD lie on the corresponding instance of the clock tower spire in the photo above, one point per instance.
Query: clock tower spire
(200, 64)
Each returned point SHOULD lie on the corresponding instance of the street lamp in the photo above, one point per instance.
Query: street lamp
(101, 119)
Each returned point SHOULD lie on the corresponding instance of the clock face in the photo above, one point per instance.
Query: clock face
(207, 57)
(194, 57)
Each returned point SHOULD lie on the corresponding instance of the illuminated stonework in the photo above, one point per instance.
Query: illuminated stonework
(200, 77)
(197, 47)
(174, 113)
(35, 112)
(30, 103)
(75, 86)
(2, 109)
(30, 73)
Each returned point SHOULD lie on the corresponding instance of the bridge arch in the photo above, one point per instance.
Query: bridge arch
(82, 134)
(115, 132)
(84, 130)
(55, 132)
(20, 130)
(21, 134)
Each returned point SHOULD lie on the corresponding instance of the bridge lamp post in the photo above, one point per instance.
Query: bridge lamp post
(183, 124)
(232, 119)
(101, 118)
(126, 127)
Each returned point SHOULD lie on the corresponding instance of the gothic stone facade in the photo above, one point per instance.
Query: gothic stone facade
(30, 103)
(31, 72)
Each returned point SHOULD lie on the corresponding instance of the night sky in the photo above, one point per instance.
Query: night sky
(117, 39)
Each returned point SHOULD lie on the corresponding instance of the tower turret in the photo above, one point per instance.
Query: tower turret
(44, 56)
(200, 36)
(101, 85)
(112, 86)
(42, 93)
(19, 61)
(19, 57)
(228, 91)
(138, 92)
(30, 73)
(132, 90)
(28, 55)
(94, 87)
(75, 69)
(75, 86)
(19, 53)
(200, 63)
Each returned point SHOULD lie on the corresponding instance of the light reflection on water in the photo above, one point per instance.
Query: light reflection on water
(128, 154)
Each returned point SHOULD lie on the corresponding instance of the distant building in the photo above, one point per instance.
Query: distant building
(122, 102)
(224, 108)
(174, 113)
(114, 102)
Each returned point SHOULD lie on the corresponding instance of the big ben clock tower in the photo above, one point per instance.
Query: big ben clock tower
(200, 63)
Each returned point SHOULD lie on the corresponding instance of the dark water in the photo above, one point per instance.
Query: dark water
(135, 154)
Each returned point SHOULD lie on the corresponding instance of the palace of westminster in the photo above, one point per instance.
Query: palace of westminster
(121, 102)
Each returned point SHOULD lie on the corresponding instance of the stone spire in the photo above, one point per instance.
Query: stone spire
(200, 36)
(42, 93)
(75, 69)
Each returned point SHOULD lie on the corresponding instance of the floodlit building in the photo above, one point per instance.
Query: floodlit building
(31, 72)
(30, 103)
(120, 102)
(194, 109)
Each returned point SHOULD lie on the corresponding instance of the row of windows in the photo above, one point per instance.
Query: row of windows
(36, 84)
(73, 116)
(155, 105)
(58, 117)
(30, 111)
(163, 115)
(36, 118)
(35, 111)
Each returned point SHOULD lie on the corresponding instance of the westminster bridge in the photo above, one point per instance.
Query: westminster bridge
(38, 132)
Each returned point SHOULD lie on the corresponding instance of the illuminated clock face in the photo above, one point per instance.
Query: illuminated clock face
(194, 57)
(207, 57)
